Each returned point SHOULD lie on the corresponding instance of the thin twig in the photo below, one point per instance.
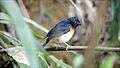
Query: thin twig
(79, 48)
(23, 9)
(70, 48)
(36, 25)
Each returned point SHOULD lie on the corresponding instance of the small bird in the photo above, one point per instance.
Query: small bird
(64, 30)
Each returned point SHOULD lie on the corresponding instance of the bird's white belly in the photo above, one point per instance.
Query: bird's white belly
(66, 37)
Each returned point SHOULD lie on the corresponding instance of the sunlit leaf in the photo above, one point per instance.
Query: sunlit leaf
(78, 61)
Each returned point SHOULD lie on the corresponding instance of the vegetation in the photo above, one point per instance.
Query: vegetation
(21, 38)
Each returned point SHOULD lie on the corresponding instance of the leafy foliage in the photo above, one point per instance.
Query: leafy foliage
(38, 58)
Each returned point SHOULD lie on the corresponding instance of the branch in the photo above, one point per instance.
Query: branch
(70, 48)
(36, 25)
(79, 48)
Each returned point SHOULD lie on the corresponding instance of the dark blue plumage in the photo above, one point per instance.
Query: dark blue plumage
(62, 28)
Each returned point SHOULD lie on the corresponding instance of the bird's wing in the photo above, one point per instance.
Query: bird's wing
(60, 29)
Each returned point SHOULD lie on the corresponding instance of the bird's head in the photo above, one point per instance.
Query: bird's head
(74, 21)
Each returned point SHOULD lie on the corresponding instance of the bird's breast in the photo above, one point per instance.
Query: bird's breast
(66, 37)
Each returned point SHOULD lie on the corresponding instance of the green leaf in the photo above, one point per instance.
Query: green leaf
(4, 18)
(108, 61)
(8, 39)
(23, 31)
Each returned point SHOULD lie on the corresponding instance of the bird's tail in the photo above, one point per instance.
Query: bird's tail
(47, 40)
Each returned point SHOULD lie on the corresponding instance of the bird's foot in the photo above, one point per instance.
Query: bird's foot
(67, 46)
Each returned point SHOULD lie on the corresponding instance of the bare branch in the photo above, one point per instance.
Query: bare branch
(70, 48)
(79, 48)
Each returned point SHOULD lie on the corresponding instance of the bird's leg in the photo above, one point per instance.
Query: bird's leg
(67, 46)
